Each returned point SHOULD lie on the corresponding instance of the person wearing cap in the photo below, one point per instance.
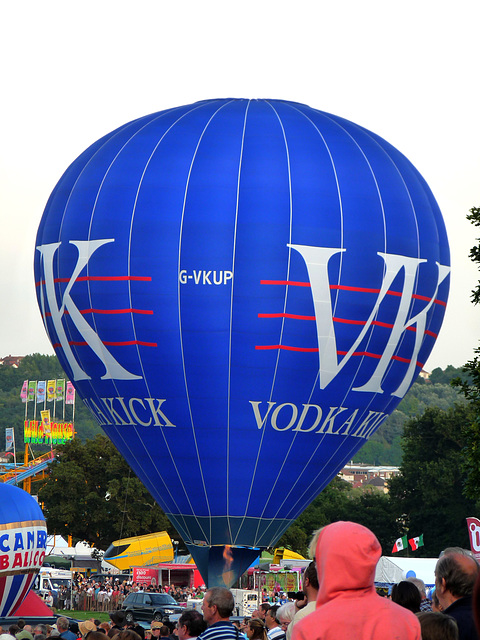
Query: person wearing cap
(155, 629)
(24, 635)
(85, 627)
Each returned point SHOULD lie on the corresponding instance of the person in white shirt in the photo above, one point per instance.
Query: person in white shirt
(274, 630)
(310, 589)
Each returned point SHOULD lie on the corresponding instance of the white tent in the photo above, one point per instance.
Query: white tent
(58, 546)
(391, 570)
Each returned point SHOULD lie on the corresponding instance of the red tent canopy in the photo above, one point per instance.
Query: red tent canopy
(32, 605)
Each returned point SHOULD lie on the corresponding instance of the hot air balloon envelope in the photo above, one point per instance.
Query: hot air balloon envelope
(241, 291)
(23, 543)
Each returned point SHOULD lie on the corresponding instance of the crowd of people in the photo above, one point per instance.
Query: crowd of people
(90, 594)
(339, 601)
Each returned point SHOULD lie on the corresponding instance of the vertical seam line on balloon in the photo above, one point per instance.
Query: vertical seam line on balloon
(407, 191)
(180, 313)
(371, 170)
(339, 193)
(137, 132)
(390, 159)
(132, 124)
(121, 129)
(292, 488)
(372, 173)
(341, 222)
(287, 152)
(167, 446)
(231, 318)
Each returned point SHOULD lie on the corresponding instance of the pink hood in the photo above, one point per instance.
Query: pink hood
(347, 554)
(347, 604)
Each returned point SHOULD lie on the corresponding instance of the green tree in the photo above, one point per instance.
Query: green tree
(384, 446)
(445, 376)
(92, 494)
(428, 495)
(12, 411)
(339, 501)
(471, 389)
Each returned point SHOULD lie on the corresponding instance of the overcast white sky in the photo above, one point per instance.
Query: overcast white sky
(72, 71)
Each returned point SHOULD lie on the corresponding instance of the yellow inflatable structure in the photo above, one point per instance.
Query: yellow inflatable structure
(140, 551)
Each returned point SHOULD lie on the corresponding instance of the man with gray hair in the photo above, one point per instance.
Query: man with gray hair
(455, 574)
(425, 604)
(63, 627)
(217, 607)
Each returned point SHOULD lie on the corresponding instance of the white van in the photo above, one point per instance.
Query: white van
(52, 580)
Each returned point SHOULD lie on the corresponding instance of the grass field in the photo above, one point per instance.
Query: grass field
(84, 615)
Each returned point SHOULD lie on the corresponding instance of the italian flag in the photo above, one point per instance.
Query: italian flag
(416, 542)
(400, 544)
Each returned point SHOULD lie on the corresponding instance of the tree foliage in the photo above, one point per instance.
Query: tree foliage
(385, 446)
(92, 494)
(471, 387)
(12, 410)
(428, 495)
(339, 501)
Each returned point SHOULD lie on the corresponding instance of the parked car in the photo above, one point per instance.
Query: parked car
(148, 606)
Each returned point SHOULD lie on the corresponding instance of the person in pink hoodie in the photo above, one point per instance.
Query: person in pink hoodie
(347, 603)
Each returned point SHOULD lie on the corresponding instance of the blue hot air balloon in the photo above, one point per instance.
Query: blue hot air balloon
(23, 544)
(241, 292)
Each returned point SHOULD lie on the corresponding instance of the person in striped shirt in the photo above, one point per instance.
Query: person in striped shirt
(217, 607)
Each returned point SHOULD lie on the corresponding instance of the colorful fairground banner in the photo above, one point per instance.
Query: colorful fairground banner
(50, 426)
(46, 431)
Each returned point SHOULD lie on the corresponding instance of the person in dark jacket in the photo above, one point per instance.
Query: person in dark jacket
(455, 574)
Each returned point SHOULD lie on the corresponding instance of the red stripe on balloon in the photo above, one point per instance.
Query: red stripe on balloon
(378, 356)
(284, 347)
(387, 325)
(365, 354)
(108, 311)
(291, 283)
(3, 582)
(292, 316)
(342, 287)
(376, 323)
(101, 279)
(23, 593)
(126, 343)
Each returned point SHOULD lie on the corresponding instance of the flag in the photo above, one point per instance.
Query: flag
(416, 542)
(24, 391)
(473, 525)
(41, 385)
(46, 422)
(32, 390)
(60, 390)
(70, 397)
(400, 544)
(9, 438)
(51, 387)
